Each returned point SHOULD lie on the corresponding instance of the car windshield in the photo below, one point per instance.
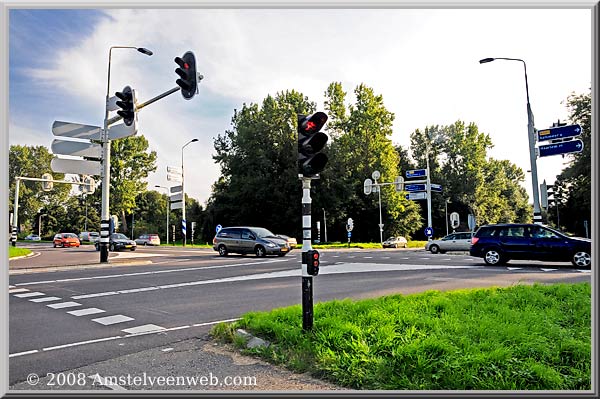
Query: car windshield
(120, 236)
(69, 235)
(262, 233)
(558, 231)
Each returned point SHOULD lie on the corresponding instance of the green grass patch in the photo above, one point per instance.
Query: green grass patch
(16, 251)
(517, 338)
(362, 245)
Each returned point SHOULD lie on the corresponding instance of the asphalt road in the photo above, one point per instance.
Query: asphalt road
(66, 319)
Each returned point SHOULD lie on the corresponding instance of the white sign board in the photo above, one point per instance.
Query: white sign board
(122, 130)
(76, 148)
(76, 166)
(76, 130)
(176, 205)
(176, 189)
(177, 197)
(173, 169)
(172, 177)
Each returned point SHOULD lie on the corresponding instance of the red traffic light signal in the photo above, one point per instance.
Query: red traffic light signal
(310, 142)
(188, 80)
(312, 261)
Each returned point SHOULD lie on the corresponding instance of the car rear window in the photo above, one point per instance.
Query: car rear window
(485, 232)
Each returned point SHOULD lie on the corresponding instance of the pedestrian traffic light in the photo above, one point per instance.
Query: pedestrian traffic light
(47, 185)
(312, 261)
(310, 142)
(127, 105)
(188, 76)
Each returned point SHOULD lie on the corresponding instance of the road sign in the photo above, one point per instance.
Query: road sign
(177, 197)
(561, 148)
(176, 189)
(76, 130)
(416, 173)
(174, 170)
(559, 132)
(81, 167)
(428, 231)
(172, 177)
(368, 188)
(76, 148)
(454, 219)
(183, 227)
(177, 205)
(349, 234)
(122, 130)
(472, 222)
(414, 187)
(421, 195)
(436, 187)
(376, 175)
(219, 227)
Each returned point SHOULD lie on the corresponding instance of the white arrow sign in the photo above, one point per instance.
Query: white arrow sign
(80, 167)
(122, 130)
(76, 148)
(76, 130)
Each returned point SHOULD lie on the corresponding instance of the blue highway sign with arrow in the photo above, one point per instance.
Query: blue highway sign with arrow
(416, 173)
(561, 148)
(436, 187)
(560, 132)
(428, 231)
(414, 187)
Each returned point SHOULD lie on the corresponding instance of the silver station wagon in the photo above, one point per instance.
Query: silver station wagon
(452, 242)
(247, 240)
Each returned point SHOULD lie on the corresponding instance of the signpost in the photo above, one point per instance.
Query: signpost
(429, 231)
(564, 147)
(436, 187)
(416, 173)
(421, 195)
(415, 187)
(559, 132)
(76, 166)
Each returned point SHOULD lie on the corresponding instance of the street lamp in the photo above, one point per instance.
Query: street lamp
(537, 214)
(447, 201)
(183, 222)
(168, 210)
(106, 162)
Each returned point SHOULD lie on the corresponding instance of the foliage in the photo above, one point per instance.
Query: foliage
(517, 338)
(13, 252)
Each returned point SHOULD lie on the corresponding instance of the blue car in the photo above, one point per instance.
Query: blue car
(499, 243)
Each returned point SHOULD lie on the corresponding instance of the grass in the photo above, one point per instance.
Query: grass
(518, 338)
(362, 245)
(16, 251)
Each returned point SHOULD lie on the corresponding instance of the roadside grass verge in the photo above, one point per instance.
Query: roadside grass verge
(362, 245)
(13, 252)
(517, 338)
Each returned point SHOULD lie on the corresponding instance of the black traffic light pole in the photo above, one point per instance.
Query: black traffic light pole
(307, 280)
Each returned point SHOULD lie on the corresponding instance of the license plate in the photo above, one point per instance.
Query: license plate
(284, 249)
(127, 246)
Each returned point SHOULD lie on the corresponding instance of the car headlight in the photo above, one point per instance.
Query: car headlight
(271, 245)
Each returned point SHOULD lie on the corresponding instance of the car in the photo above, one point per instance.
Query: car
(33, 237)
(245, 240)
(148, 239)
(117, 242)
(499, 243)
(290, 240)
(66, 240)
(395, 242)
(452, 242)
(91, 236)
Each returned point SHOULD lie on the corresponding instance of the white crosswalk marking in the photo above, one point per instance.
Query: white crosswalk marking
(45, 299)
(146, 328)
(108, 320)
(63, 305)
(17, 290)
(29, 294)
(85, 312)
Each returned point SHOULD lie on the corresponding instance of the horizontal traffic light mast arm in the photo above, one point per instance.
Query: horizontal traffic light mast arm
(52, 181)
(140, 106)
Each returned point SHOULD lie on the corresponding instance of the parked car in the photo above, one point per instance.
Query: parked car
(290, 240)
(148, 239)
(452, 242)
(33, 237)
(117, 242)
(91, 236)
(245, 240)
(66, 240)
(499, 243)
(395, 242)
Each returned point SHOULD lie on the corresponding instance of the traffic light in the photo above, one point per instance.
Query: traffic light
(127, 105)
(47, 185)
(188, 76)
(545, 193)
(310, 142)
(311, 261)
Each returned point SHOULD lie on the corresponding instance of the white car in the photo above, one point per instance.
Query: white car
(395, 242)
(33, 237)
(452, 242)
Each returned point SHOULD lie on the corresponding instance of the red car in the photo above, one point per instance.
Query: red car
(66, 240)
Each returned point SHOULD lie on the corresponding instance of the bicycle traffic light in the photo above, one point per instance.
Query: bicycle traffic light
(311, 259)
(127, 105)
(310, 142)
(188, 76)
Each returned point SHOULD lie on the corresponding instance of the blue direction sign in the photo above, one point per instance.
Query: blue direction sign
(559, 132)
(349, 234)
(429, 231)
(416, 173)
(436, 187)
(219, 227)
(414, 187)
(561, 148)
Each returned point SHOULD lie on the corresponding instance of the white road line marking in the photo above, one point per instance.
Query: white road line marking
(45, 299)
(29, 294)
(584, 270)
(385, 257)
(548, 270)
(11, 286)
(106, 382)
(85, 312)
(93, 341)
(447, 259)
(189, 269)
(146, 328)
(167, 349)
(63, 305)
(367, 257)
(108, 320)
(95, 295)
(514, 268)
(17, 290)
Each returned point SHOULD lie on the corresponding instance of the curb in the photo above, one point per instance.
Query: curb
(76, 267)
(31, 255)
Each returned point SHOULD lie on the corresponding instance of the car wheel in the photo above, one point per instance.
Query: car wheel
(405, 245)
(63, 245)
(283, 254)
(493, 256)
(145, 243)
(434, 249)
(259, 251)
(222, 250)
(581, 259)
(54, 245)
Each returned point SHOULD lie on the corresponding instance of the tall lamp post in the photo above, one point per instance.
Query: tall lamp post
(447, 201)
(537, 214)
(168, 210)
(183, 221)
(104, 233)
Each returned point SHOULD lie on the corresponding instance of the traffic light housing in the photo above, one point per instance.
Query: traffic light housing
(312, 261)
(310, 142)
(47, 185)
(188, 80)
(127, 104)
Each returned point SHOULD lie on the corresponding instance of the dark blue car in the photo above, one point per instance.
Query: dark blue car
(499, 243)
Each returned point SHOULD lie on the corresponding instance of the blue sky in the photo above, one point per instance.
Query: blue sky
(423, 62)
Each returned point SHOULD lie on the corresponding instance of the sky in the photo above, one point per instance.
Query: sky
(424, 62)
